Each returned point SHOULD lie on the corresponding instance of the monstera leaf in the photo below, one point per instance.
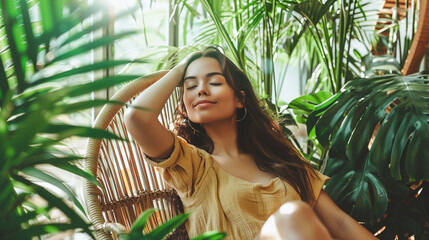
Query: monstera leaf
(376, 130)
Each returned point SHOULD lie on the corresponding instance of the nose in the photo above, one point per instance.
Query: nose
(203, 91)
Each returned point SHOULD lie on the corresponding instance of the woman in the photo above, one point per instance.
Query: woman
(232, 166)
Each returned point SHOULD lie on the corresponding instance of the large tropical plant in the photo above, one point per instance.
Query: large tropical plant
(376, 130)
(265, 37)
(39, 40)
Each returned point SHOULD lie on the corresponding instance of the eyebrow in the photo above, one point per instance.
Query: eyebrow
(208, 75)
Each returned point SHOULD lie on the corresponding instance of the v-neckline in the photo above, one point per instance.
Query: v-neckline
(243, 180)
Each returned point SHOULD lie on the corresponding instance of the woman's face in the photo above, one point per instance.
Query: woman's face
(207, 96)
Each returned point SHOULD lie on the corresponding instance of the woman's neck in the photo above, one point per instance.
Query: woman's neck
(224, 137)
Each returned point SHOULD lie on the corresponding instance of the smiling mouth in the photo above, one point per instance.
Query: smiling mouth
(204, 103)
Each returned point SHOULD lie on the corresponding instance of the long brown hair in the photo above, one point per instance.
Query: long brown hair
(258, 134)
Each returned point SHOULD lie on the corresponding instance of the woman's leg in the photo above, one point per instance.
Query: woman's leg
(294, 221)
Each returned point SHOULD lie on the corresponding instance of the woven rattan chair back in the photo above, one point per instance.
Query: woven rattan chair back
(130, 185)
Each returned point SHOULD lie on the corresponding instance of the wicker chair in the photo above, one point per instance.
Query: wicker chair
(130, 185)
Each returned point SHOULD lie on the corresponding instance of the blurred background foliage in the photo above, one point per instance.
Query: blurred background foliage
(43, 80)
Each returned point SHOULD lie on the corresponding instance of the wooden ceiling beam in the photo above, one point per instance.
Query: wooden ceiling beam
(384, 19)
(420, 41)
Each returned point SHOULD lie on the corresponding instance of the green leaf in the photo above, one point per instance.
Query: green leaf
(212, 235)
(32, 44)
(418, 167)
(31, 94)
(48, 15)
(31, 171)
(39, 155)
(140, 223)
(191, 9)
(39, 78)
(29, 128)
(328, 121)
(78, 171)
(360, 193)
(381, 150)
(313, 10)
(75, 220)
(223, 32)
(4, 84)
(319, 110)
(162, 231)
(38, 230)
(17, 47)
(38, 103)
(408, 216)
(90, 46)
(78, 11)
(304, 105)
(32, 102)
(104, 83)
(97, 25)
(83, 105)
(16, 223)
(8, 198)
(65, 131)
(371, 114)
(247, 29)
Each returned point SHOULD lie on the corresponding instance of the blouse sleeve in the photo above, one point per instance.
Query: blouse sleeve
(317, 185)
(186, 167)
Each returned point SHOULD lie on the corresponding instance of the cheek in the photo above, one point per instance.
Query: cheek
(229, 96)
(187, 100)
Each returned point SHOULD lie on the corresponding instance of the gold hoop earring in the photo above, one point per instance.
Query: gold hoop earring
(245, 114)
(188, 122)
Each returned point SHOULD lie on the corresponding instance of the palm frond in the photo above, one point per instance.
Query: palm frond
(37, 47)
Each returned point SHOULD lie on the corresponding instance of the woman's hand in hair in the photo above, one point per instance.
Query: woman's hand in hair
(182, 65)
(143, 125)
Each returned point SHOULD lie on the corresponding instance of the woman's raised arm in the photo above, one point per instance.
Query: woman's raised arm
(143, 125)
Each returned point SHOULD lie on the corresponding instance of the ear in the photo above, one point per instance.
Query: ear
(182, 110)
(243, 93)
(242, 100)
(185, 113)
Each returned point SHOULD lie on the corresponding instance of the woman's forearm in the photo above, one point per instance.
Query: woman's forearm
(143, 125)
(155, 96)
(339, 224)
(348, 228)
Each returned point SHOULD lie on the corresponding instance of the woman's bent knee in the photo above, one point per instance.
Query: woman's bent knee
(295, 209)
(294, 220)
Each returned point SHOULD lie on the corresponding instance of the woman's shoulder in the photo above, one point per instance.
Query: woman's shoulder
(186, 146)
(182, 152)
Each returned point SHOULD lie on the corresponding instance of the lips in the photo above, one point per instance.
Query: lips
(204, 102)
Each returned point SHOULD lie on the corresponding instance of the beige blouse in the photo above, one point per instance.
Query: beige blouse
(220, 201)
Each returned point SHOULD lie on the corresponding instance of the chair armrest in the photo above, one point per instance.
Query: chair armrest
(116, 228)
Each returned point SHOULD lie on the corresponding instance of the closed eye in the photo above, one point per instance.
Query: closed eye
(191, 87)
(215, 84)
